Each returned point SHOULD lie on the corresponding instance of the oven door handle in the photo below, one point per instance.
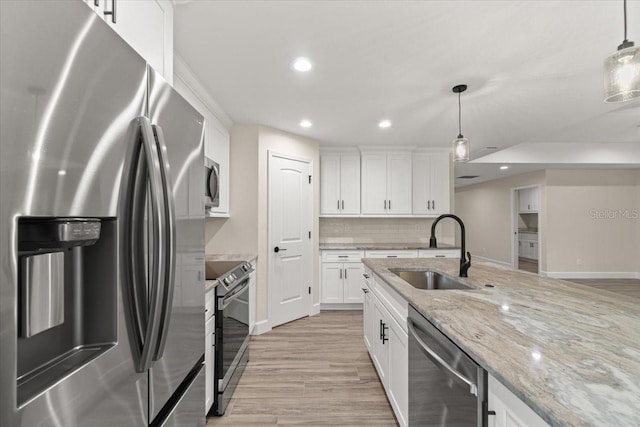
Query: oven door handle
(473, 388)
(228, 299)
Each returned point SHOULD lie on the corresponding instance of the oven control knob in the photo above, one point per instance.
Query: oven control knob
(245, 268)
(227, 280)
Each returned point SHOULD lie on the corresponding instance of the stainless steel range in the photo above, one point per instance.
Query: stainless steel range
(232, 327)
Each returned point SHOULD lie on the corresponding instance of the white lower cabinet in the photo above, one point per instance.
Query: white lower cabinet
(509, 410)
(392, 253)
(439, 253)
(341, 277)
(387, 343)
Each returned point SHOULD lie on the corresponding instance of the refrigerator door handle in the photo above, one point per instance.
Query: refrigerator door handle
(170, 236)
(159, 227)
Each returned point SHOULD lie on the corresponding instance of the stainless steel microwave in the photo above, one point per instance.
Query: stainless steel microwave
(211, 184)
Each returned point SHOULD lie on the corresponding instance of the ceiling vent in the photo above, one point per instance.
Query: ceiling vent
(467, 177)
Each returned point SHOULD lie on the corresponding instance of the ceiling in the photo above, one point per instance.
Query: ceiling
(534, 70)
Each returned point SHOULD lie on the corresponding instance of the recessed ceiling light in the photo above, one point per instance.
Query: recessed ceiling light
(62, 172)
(302, 64)
(505, 167)
(384, 124)
(306, 123)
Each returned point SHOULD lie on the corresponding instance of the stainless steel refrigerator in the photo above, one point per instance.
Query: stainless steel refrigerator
(101, 229)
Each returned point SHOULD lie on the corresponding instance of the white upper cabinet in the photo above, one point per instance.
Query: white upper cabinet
(219, 152)
(431, 184)
(529, 200)
(386, 184)
(340, 184)
(147, 25)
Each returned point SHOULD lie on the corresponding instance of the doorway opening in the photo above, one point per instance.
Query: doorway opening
(525, 228)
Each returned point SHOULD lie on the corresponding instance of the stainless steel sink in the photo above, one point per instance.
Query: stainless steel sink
(428, 279)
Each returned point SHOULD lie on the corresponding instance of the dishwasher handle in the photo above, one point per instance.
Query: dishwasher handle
(473, 387)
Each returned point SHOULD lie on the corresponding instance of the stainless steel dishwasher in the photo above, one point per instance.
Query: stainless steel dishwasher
(446, 387)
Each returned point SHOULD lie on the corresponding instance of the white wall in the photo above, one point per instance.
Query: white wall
(574, 241)
(246, 231)
(485, 209)
(591, 228)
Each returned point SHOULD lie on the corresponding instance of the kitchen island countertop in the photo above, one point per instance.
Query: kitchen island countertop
(570, 352)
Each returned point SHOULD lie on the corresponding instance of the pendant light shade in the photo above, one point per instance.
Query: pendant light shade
(622, 70)
(460, 144)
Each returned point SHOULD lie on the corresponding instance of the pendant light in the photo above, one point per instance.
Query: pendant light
(622, 70)
(460, 144)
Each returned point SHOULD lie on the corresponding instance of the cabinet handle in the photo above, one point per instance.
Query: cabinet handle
(345, 273)
(112, 12)
(389, 204)
(385, 205)
(433, 204)
(440, 256)
(365, 290)
(96, 2)
(343, 205)
(338, 204)
(366, 276)
(341, 273)
(428, 205)
(384, 333)
(343, 256)
(392, 256)
(381, 329)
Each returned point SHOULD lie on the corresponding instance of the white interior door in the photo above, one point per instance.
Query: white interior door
(290, 222)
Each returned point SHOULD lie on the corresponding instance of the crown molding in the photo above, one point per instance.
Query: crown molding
(182, 71)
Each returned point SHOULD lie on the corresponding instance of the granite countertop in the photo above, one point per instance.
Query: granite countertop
(571, 352)
(211, 284)
(384, 246)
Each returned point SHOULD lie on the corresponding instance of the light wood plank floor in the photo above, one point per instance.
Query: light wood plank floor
(528, 265)
(626, 287)
(314, 371)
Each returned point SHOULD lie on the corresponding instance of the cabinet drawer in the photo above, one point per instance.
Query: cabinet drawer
(209, 304)
(342, 256)
(392, 254)
(446, 253)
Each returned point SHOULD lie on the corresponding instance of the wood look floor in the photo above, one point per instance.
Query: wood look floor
(626, 287)
(529, 265)
(313, 371)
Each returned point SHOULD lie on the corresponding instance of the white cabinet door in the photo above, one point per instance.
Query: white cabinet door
(220, 153)
(350, 184)
(523, 200)
(330, 185)
(208, 363)
(431, 192)
(380, 345)
(398, 381)
(440, 184)
(147, 25)
(421, 171)
(399, 193)
(534, 199)
(368, 315)
(534, 251)
(510, 411)
(332, 289)
(353, 282)
(374, 184)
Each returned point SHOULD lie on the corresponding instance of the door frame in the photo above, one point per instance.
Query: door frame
(514, 224)
(270, 256)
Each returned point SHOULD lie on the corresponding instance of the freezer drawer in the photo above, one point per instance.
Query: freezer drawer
(188, 411)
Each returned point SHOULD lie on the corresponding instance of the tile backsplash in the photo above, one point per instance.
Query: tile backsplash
(383, 230)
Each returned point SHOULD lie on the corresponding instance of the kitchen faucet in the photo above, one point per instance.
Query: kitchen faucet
(464, 263)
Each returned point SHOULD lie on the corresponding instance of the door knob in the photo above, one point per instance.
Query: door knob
(277, 249)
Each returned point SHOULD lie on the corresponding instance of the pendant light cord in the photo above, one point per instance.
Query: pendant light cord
(459, 117)
(625, 20)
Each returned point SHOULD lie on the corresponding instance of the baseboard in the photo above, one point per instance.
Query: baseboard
(591, 274)
(485, 259)
(315, 309)
(341, 306)
(261, 327)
